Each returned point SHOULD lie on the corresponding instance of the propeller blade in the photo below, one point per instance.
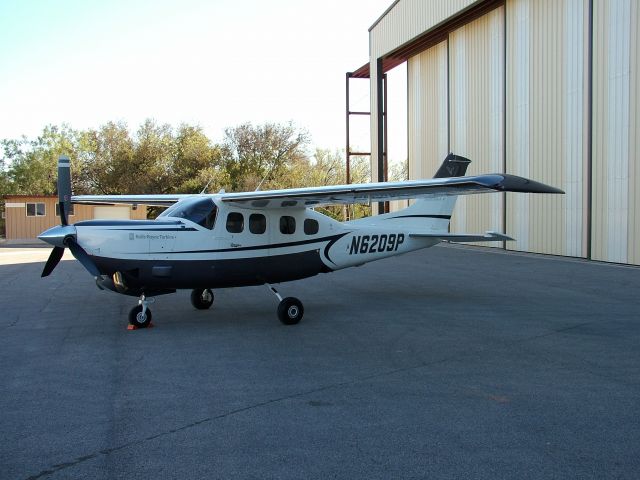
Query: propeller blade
(64, 187)
(56, 235)
(52, 262)
(63, 214)
(83, 257)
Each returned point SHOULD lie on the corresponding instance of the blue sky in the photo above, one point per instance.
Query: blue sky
(215, 63)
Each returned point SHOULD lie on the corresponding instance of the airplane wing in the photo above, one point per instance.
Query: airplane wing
(342, 194)
(159, 200)
(381, 192)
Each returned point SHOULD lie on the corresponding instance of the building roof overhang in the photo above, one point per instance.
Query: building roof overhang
(428, 39)
(12, 196)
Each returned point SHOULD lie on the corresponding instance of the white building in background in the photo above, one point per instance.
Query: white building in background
(546, 89)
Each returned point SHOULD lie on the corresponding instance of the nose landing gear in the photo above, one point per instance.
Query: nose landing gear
(140, 315)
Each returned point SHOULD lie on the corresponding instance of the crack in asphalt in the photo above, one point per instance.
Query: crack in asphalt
(107, 451)
(61, 466)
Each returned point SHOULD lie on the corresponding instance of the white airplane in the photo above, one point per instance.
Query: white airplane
(223, 240)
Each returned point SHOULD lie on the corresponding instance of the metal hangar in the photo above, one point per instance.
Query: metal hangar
(546, 89)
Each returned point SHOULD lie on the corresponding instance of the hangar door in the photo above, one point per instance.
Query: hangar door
(456, 103)
(111, 213)
(476, 118)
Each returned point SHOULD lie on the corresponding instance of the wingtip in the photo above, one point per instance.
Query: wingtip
(513, 183)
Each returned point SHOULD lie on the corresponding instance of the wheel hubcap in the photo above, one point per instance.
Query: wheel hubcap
(206, 296)
(293, 311)
(140, 318)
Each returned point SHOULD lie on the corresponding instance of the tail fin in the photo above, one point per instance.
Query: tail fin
(432, 213)
(453, 166)
(429, 213)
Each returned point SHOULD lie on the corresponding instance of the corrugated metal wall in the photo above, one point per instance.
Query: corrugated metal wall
(410, 18)
(616, 130)
(427, 111)
(546, 122)
(476, 56)
(406, 20)
(475, 89)
(545, 57)
(547, 53)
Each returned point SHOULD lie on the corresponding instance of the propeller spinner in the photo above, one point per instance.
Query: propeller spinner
(65, 235)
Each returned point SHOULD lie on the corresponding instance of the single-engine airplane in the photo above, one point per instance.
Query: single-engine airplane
(207, 241)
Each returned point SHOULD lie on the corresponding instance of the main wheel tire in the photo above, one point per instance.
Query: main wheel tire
(290, 311)
(137, 319)
(202, 298)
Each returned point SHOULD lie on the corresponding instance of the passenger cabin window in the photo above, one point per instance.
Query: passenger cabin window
(257, 223)
(235, 222)
(36, 210)
(197, 209)
(287, 225)
(311, 226)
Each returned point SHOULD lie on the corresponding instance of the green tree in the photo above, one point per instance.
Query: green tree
(197, 162)
(262, 155)
(155, 160)
(159, 159)
(30, 165)
(106, 161)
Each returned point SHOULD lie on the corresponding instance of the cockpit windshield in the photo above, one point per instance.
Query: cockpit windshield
(199, 210)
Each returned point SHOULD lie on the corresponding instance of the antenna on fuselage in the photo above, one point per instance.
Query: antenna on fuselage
(204, 190)
(265, 177)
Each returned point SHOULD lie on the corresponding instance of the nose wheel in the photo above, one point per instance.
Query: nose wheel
(140, 315)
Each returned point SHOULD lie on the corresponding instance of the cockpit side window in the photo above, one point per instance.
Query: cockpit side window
(199, 210)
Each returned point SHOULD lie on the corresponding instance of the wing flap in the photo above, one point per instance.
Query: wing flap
(465, 237)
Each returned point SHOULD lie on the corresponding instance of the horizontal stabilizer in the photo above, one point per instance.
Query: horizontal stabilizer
(465, 237)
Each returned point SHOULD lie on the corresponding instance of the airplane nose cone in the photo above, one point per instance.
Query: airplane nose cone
(56, 235)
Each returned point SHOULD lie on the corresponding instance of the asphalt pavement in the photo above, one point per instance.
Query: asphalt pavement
(451, 362)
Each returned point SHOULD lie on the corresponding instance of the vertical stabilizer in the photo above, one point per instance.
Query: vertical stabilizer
(453, 166)
(429, 213)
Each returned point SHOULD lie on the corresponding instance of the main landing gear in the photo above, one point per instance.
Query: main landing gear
(290, 309)
(202, 298)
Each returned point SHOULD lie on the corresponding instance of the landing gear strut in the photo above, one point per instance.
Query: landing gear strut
(202, 298)
(290, 309)
(140, 315)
